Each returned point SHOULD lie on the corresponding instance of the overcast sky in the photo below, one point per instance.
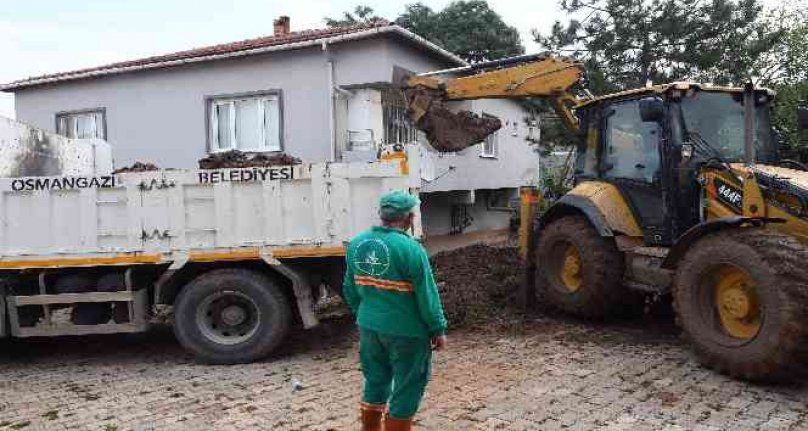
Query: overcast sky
(45, 36)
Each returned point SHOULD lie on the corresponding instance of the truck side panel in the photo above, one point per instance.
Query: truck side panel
(171, 214)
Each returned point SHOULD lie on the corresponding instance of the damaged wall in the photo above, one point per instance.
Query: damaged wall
(26, 151)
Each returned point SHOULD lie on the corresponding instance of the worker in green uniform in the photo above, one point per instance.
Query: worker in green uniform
(390, 288)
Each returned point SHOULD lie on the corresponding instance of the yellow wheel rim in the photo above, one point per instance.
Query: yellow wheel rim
(571, 269)
(737, 302)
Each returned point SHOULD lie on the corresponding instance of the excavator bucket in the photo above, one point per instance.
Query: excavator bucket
(533, 75)
(446, 131)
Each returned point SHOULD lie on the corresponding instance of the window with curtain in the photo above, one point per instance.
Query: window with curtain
(82, 124)
(249, 123)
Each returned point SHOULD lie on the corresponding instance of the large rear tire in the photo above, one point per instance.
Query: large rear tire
(231, 316)
(579, 271)
(740, 297)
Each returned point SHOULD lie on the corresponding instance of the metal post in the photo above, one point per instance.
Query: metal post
(749, 123)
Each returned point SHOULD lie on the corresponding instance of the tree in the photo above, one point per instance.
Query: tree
(361, 15)
(470, 29)
(627, 43)
(791, 84)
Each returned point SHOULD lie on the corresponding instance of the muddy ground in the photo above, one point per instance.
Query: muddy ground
(478, 283)
(541, 371)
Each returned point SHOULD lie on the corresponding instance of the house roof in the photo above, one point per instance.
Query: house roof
(260, 45)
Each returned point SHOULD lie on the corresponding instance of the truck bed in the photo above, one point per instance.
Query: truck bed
(168, 215)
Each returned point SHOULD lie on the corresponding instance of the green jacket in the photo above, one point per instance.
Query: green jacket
(389, 284)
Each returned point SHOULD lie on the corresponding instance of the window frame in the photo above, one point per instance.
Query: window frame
(604, 144)
(210, 100)
(97, 110)
(494, 137)
(395, 119)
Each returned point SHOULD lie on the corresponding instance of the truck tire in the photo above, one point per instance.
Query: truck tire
(231, 316)
(740, 297)
(577, 270)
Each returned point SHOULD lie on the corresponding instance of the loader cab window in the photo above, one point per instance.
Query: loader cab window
(631, 146)
(586, 149)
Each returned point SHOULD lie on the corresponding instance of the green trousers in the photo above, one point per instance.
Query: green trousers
(396, 370)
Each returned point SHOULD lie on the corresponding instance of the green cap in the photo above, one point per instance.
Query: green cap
(397, 203)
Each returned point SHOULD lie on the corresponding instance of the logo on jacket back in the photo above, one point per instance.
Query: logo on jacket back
(372, 257)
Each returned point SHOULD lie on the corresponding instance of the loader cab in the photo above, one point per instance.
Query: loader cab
(651, 143)
(626, 150)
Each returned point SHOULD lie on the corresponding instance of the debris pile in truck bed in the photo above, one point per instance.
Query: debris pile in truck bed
(137, 167)
(477, 283)
(238, 159)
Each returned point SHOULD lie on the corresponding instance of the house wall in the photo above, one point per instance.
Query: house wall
(436, 211)
(159, 115)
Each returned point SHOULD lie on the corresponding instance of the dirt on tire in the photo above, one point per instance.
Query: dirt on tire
(478, 284)
(776, 262)
(601, 292)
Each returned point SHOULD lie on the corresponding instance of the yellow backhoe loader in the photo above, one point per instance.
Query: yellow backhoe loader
(678, 188)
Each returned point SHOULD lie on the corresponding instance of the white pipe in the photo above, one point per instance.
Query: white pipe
(332, 132)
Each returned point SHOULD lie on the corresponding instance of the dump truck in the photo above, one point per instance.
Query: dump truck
(678, 188)
(240, 253)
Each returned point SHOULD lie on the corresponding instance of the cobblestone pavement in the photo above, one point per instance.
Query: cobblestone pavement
(547, 374)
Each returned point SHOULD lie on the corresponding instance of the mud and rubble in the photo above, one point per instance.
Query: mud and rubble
(137, 167)
(478, 283)
(447, 131)
(239, 159)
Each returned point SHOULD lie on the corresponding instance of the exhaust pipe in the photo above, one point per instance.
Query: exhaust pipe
(749, 123)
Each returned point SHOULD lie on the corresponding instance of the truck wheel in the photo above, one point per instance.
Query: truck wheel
(231, 316)
(740, 297)
(577, 270)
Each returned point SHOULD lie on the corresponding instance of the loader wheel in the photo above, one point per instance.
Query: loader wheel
(740, 297)
(577, 270)
(231, 316)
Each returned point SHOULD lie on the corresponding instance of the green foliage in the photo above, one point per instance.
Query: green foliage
(361, 14)
(555, 182)
(470, 29)
(553, 134)
(795, 53)
(784, 119)
(789, 77)
(627, 43)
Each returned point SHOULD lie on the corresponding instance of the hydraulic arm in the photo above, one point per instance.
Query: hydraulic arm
(542, 75)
